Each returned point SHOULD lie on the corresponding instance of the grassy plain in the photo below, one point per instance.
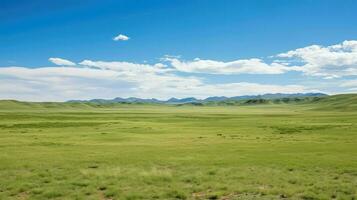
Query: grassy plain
(177, 152)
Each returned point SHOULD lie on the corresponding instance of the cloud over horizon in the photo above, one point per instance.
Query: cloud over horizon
(65, 83)
(174, 77)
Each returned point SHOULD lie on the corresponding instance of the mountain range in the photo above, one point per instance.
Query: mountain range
(206, 100)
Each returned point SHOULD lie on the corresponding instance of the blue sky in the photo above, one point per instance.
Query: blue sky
(175, 48)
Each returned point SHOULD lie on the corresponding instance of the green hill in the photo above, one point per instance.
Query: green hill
(343, 102)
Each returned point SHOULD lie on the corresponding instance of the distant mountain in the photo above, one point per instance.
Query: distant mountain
(194, 100)
(341, 102)
(184, 100)
(136, 100)
(277, 96)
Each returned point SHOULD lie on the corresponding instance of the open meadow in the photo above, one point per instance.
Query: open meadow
(60, 151)
(178, 100)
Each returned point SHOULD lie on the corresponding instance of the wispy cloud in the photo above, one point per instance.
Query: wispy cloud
(61, 61)
(121, 37)
(100, 79)
(103, 79)
(130, 68)
(349, 83)
(244, 66)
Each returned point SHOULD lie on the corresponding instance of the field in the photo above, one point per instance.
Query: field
(178, 152)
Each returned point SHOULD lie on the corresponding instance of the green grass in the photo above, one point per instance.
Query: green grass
(80, 151)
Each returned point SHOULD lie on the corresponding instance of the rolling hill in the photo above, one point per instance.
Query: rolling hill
(343, 102)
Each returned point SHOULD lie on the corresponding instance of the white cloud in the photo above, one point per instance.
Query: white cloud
(331, 62)
(244, 66)
(121, 37)
(62, 62)
(100, 79)
(46, 73)
(126, 67)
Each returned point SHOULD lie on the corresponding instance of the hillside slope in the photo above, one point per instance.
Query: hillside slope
(343, 102)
